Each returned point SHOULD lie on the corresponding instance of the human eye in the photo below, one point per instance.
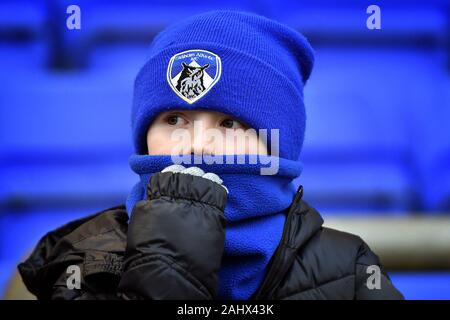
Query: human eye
(175, 119)
(232, 124)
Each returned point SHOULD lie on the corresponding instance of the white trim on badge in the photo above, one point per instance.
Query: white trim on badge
(218, 74)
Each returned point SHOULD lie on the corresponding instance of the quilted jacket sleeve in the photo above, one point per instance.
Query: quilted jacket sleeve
(372, 281)
(175, 240)
(79, 260)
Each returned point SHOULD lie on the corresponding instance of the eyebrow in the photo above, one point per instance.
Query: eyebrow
(175, 112)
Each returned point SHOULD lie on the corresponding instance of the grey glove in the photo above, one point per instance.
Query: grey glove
(195, 171)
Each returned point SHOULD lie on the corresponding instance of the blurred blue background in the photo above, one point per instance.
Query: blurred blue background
(378, 111)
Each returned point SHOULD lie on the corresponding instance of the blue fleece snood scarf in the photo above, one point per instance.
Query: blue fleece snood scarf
(253, 69)
(255, 214)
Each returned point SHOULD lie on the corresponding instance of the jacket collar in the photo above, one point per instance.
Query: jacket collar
(302, 223)
(306, 221)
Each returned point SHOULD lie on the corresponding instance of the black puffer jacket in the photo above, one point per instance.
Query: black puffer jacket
(172, 249)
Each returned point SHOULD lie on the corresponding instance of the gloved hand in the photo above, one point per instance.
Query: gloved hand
(176, 237)
(195, 171)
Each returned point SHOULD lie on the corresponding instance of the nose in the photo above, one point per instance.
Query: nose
(200, 146)
(201, 143)
(196, 147)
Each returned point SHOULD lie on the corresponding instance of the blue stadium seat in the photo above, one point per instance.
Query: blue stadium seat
(58, 110)
(31, 225)
(121, 21)
(24, 16)
(25, 56)
(65, 136)
(358, 150)
(426, 285)
(23, 38)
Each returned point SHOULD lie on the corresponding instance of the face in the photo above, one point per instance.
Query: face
(201, 132)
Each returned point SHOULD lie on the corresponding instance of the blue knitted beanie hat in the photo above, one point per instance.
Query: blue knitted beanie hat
(237, 63)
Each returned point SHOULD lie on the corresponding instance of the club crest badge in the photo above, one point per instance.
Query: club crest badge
(191, 74)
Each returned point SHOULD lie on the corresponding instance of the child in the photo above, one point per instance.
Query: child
(212, 218)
